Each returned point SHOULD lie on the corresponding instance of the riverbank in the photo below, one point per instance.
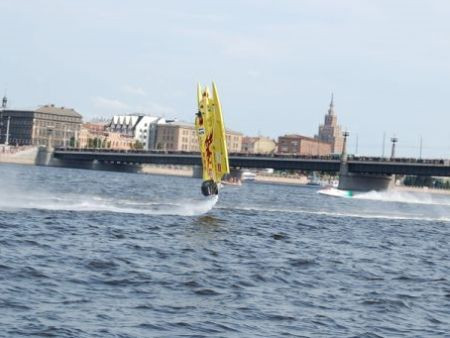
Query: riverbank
(18, 155)
(167, 170)
(187, 171)
(286, 180)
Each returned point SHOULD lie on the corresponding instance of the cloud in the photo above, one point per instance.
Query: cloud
(155, 108)
(135, 90)
(237, 45)
(253, 74)
(113, 105)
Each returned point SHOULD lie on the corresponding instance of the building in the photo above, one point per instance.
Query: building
(258, 145)
(157, 133)
(302, 145)
(146, 130)
(92, 135)
(95, 128)
(330, 131)
(234, 141)
(119, 142)
(181, 136)
(124, 124)
(140, 127)
(97, 135)
(48, 124)
(177, 136)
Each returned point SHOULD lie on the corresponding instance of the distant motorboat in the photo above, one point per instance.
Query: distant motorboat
(231, 180)
(331, 191)
(232, 183)
(248, 176)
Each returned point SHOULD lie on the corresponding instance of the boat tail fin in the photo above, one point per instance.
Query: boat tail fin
(220, 142)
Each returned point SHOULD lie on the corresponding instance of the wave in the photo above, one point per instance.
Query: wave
(187, 207)
(404, 197)
(340, 214)
(393, 196)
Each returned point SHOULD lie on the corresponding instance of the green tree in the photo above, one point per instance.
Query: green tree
(138, 145)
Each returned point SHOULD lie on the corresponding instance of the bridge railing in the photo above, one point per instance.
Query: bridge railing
(184, 152)
(351, 158)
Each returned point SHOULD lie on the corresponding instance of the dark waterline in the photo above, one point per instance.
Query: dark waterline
(101, 254)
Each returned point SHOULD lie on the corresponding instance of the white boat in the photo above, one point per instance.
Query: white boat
(232, 183)
(248, 176)
(336, 192)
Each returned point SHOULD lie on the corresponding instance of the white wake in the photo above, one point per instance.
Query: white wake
(71, 202)
(405, 197)
(398, 216)
(393, 196)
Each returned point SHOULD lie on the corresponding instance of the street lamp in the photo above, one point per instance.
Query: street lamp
(68, 132)
(50, 130)
(1, 121)
(7, 131)
(394, 140)
(65, 137)
(344, 145)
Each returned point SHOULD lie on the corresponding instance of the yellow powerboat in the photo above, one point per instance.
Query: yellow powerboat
(212, 139)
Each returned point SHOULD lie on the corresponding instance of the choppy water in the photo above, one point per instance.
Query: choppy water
(101, 254)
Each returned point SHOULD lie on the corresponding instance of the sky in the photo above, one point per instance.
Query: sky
(275, 62)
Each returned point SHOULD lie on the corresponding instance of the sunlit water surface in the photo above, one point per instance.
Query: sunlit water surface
(100, 254)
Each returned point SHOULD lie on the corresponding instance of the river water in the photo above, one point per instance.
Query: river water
(103, 254)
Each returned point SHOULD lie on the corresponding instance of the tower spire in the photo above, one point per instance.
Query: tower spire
(331, 110)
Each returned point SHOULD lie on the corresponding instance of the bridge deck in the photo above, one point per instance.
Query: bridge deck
(355, 165)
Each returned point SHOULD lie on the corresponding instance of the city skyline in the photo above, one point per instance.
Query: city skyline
(334, 139)
(386, 63)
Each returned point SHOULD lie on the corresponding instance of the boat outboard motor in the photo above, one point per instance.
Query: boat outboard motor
(210, 188)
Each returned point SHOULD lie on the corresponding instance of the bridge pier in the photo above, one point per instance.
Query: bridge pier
(44, 156)
(360, 182)
(197, 171)
(365, 182)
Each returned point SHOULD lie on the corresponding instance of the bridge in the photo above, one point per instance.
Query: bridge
(355, 165)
